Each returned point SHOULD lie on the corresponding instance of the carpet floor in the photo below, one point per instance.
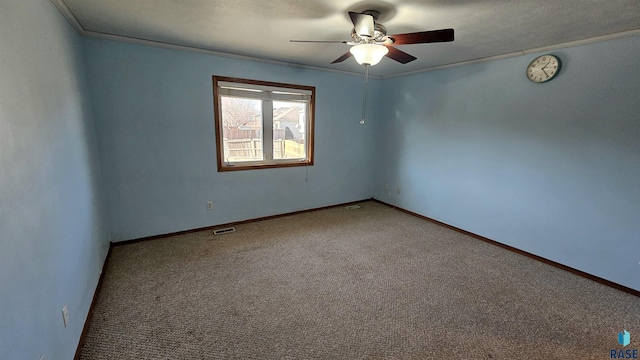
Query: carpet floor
(371, 283)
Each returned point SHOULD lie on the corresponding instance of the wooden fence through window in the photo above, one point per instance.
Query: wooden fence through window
(234, 134)
(251, 149)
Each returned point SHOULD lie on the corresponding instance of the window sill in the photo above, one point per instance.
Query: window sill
(255, 166)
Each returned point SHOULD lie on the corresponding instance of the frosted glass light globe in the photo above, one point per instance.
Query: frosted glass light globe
(368, 54)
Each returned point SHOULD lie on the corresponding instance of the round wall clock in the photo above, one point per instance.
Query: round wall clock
(543, 68)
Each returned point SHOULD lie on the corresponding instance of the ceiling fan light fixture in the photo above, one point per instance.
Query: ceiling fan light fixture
(369, 54)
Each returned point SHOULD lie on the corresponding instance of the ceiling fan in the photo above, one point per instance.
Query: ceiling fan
(371, 42)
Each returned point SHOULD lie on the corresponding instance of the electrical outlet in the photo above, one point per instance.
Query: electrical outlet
(386, 187)
(209, 205)
(65, 315)
(398, 191)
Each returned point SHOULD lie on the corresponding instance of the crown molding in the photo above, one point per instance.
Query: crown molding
(568, 44)
(66, 12)
(170, 46)
(590, 40)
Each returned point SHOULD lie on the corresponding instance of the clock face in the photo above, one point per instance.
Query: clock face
(543, 68)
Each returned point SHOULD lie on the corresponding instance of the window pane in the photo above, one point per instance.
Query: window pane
(262, 124)
(289, 127)
(242, 129)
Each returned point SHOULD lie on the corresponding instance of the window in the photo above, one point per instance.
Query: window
(262, 124)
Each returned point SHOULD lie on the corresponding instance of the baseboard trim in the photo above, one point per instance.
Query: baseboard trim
(219, 226)
(522, 252)
(87, 321)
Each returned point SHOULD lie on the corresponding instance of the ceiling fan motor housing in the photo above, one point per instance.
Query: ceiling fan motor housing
(379, 36)
(375, 14)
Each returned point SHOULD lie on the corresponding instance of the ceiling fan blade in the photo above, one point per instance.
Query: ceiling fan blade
(399, 55)
(342, 58)
(363, 24)
(422, 37)
(320, 41)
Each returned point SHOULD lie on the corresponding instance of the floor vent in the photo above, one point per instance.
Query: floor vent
(224, 231)
(352, 207)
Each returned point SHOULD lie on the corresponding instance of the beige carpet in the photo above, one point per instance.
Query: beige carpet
(372, 283)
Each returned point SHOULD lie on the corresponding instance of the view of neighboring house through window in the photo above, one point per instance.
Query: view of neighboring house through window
(262, 124)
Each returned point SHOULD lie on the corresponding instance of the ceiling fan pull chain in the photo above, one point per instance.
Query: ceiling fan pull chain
(364, 93)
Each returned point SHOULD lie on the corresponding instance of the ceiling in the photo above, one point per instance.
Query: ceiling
(262, 29)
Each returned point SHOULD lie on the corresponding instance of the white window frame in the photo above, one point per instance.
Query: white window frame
(267, 92)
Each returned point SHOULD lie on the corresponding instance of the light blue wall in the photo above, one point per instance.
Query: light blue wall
(154, 118)
(552, 169)
(53, 234)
